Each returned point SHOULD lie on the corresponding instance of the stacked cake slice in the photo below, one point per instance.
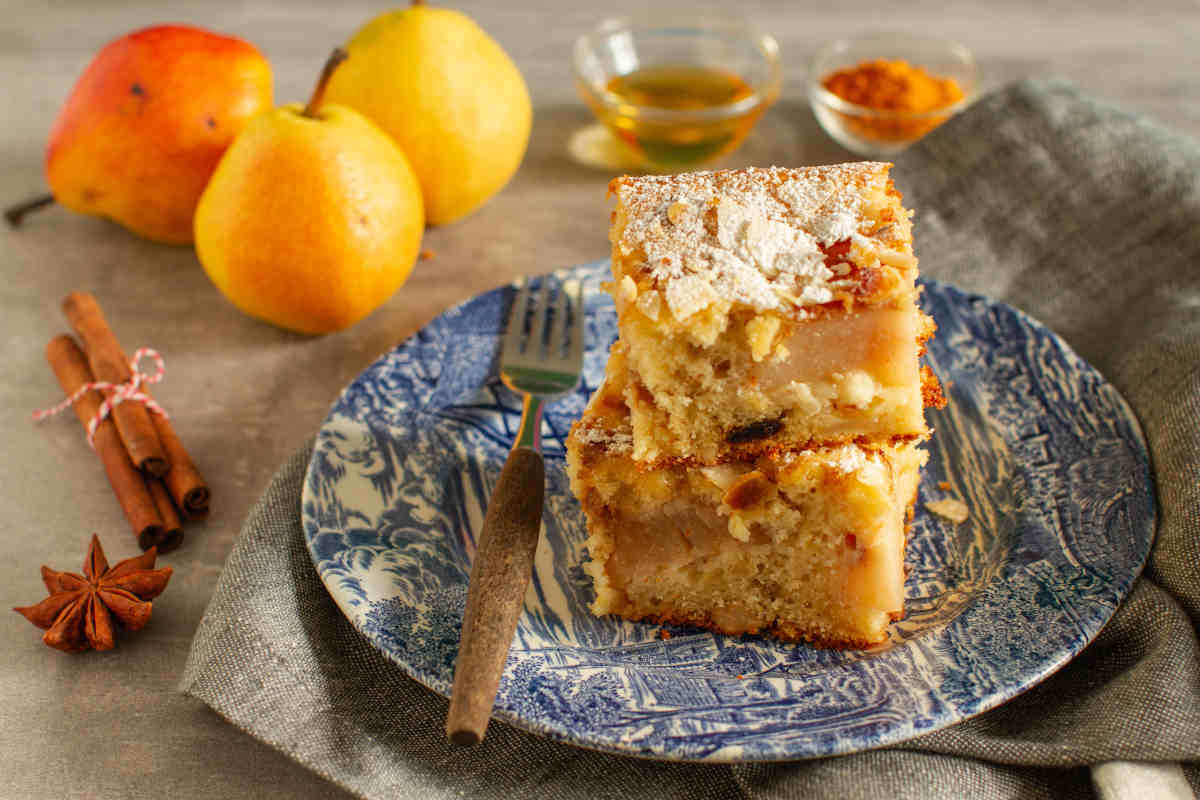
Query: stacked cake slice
(751, 460)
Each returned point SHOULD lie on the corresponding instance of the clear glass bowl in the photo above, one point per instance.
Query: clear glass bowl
(711, 80)
(871, 132)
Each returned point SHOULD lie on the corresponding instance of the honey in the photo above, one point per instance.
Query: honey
(671, 142)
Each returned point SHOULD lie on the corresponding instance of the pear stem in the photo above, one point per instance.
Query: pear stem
(314, 103)
(16, 214)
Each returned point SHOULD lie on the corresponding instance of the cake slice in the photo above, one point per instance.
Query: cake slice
(805, 544)
(762, 309)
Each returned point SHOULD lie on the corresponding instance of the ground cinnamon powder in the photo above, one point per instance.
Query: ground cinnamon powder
(893, 86)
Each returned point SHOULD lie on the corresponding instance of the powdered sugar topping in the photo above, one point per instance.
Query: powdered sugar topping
(865, 466)
(848, 458)
(616, 440)
(752, 236)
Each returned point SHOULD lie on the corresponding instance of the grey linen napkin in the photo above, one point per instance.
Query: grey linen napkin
(1083, 215)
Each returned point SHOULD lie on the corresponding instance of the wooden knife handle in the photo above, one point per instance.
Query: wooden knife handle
(499, 578)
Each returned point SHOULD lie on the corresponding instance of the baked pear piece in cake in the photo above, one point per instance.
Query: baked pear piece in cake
(767, 308)
(804, 544)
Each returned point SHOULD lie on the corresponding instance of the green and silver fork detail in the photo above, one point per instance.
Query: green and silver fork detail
(539, 366)
(541, 357)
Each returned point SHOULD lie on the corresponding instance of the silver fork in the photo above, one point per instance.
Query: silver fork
(541, 367)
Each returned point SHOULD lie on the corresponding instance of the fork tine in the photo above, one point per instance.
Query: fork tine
(558, 344)
(537, 328)
(575, 344)
(516, 319)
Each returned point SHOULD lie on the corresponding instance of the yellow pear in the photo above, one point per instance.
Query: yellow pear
(450, 97)
(313, 217)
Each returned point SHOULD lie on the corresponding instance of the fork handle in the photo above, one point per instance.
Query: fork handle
(499, 579)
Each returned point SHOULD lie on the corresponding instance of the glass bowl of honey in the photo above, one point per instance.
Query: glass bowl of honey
(877, 94)
(677, 94)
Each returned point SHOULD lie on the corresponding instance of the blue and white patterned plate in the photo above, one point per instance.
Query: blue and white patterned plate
(1044, 452)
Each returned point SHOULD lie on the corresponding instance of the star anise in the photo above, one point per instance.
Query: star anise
(79, 612)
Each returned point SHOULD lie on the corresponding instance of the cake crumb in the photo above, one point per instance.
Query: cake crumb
(950, 508)
(426, 255)
(944, 486)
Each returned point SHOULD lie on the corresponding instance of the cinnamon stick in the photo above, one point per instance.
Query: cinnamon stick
(183, 480)
(172, 534)
(109, 363)
(71, 368)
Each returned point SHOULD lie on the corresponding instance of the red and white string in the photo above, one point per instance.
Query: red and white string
(115, 393)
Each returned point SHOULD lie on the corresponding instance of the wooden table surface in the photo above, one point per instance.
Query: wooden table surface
(245, 395)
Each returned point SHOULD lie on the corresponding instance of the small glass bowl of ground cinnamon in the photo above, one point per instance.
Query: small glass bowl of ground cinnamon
(876, 95)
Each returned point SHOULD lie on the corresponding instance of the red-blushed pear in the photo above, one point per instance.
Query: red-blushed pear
(313, 217)
(146, 124)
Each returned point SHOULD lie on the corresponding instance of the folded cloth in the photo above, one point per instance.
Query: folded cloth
(1086, 216)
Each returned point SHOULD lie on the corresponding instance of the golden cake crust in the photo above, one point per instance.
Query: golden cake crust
(784, 631)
